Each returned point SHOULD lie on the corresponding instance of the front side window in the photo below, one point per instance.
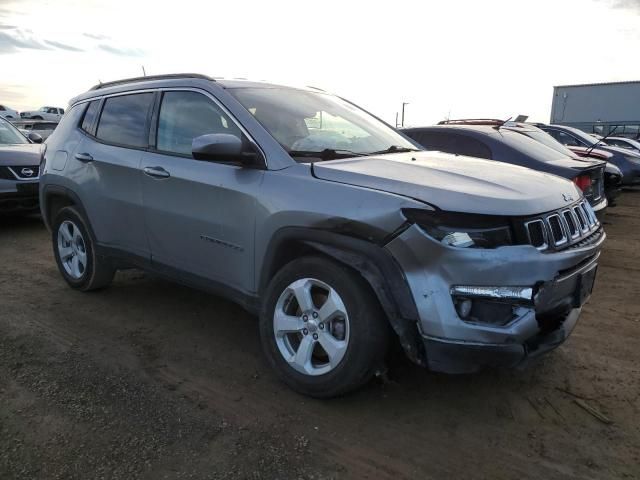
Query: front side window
(187, 115)
(10, 135)
(124, 120)
(308, 122)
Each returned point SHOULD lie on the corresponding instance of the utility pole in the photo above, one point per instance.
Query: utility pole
(396, 119)
(403, 104)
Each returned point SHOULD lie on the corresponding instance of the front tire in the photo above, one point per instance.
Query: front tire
(322, 328)
(75, 254)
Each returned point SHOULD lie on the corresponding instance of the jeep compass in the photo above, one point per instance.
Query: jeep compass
(336, 230)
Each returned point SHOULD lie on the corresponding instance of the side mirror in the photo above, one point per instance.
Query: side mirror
(223, 147)
(34, 137)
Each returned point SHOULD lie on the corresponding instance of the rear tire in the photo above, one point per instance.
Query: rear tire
(340, 313)
(75, 254)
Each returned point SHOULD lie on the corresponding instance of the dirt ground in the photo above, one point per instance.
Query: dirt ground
(151, 380)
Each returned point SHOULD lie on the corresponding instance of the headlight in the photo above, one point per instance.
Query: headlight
(464, 230)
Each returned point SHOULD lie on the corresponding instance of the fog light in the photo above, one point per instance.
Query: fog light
(463, 307)
(498, 293)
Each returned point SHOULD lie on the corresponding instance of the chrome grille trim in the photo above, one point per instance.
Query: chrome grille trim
(545, 243)
(562, 237)
(570, 226)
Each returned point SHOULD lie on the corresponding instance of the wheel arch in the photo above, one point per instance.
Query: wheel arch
(370, 261)
(56, 197)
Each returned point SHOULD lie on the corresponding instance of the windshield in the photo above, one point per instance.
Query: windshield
(311, 123)
(548, 140)
(9, 135)
(43, 109)
(529, 147)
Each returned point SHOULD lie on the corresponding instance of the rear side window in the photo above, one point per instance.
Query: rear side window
(452, 143)
(124, 120)
(564, 138)
(90, 116)
(187, 115)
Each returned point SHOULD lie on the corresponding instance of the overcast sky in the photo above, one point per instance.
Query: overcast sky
(457, 58)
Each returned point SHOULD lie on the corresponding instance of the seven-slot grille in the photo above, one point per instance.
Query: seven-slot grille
(565, 227)
(23, 172)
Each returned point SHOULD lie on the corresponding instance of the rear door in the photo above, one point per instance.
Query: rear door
(199, 215)
(108, 169)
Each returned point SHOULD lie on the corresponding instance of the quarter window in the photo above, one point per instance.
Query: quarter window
(124, 120)
(90, 116)
(187, 115)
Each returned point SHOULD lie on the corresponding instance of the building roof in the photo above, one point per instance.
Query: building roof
(595, 84)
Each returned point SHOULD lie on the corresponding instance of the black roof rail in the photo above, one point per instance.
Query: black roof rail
(168, 76)
(473, 121)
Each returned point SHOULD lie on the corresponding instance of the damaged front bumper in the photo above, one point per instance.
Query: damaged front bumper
(493, 307)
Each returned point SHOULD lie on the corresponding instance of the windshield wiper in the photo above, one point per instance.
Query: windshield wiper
(326, 154)
(601, 140)
(394, 149)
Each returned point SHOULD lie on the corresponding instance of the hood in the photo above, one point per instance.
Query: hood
(455, 183)
(18, 155)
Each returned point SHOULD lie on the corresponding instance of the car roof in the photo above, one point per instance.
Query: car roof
(176, 79)
(481, 129)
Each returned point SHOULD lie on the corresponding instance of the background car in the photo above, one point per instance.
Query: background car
(19, 170)
(623, 142)
(9, 113)
(44, 113)
(612, 174)
(627, 161)
(41, 127)
(490, 140)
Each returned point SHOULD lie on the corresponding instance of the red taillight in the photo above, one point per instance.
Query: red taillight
(583, 182)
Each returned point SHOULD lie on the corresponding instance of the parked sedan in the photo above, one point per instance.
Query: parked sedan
(9, 113)
(19, 170)
(52, 114)
(492, 141)
(612, 174)
(623, 142)
(627, 161)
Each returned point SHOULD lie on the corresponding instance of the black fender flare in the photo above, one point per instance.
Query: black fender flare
(50, 191)
(375, 264)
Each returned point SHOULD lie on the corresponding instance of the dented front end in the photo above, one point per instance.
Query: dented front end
(499, 306)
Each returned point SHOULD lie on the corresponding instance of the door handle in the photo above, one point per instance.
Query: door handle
(156, 172)
(84, 157)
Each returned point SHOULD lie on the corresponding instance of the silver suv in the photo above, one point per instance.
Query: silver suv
(333, 227)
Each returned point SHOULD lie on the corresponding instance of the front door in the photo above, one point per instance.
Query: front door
(199, 215)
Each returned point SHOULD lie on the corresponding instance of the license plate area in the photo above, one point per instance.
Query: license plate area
(30, 188)
(584, 286)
